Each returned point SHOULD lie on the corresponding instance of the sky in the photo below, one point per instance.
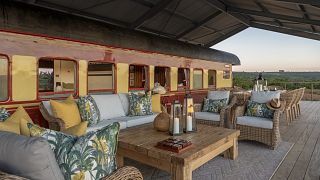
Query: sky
(261, 50)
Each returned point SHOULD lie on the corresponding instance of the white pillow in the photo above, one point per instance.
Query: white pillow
(264, 96)
(215, 95)
(109, 106)
(125, 102)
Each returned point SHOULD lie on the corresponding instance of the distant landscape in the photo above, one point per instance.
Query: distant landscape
(282, 80)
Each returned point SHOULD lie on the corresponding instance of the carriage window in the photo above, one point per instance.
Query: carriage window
(197, 79)
(211, 79)
(100, 77)
(226, 74)
(138, 77)
(162, 76)
(4, 74)
(183, 78)
(57, 78)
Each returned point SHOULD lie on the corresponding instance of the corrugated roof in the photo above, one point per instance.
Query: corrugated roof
(201, 22)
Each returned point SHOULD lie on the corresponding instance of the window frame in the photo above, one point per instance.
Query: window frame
(9, 89)
(76, 79)
(187, 87)
(168, 87)
(226, 71)
(215, 79)
(198, 69)
(114, 79)
(147, 76)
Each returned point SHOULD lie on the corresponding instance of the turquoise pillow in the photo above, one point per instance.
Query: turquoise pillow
(214, 106)
(4, 114)
(91, 156)
(89, 110)
(139, 104)
(259, 110)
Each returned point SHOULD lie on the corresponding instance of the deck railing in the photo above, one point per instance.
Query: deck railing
(312, 92)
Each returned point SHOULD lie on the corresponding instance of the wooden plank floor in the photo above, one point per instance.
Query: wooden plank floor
(303, 160)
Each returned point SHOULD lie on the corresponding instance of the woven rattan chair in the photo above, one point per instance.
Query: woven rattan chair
(124, 173)
(289, 97)
(296, 103)
(300, 98)
(268, 136)
(224, 114)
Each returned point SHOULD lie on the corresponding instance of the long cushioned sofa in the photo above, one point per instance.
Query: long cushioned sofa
(112, 107)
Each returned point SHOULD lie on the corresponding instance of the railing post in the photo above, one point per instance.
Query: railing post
(311, 91)
(285, 86)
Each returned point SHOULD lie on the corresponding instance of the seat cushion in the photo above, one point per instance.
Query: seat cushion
(208, 116)
(106, 122)
(255, 122)
(214, 95)
(264, 96)
(67, 111)
(27, 157)
(125, 102)
(77, 130)
(109, 106)
(136, 120)
(89, 110)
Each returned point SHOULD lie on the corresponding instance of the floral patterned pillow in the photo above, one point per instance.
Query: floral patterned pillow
(214, 106)
(4, 114)
(140, 104)
(89, 110)
(259, 110)
(91, 156)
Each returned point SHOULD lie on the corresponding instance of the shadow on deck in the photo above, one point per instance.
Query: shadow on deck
(303, 160)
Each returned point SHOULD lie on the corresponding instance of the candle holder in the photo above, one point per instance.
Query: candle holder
(190, 124)
(175, 123)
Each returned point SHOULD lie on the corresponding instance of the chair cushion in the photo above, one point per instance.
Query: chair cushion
(219, 95)
(259, 110)
(27, 157)
(139, 104)
(215, 106)
(67, 111)
(106, 122)
(4, 114)
(109, 106)
(255, 122)
(136, 120)
(264, 96)
(77, 130)
(89, 110)
(208, 116)
(125, 102)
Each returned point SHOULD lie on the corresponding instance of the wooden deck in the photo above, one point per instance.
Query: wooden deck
(303, 160)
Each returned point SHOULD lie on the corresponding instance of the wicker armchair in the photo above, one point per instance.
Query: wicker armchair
(224, 114)
(268, 136)
(296, 104)
(54, 123)
(289, 97)
(124, 173)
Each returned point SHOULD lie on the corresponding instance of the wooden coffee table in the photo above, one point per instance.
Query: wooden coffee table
(138, 143)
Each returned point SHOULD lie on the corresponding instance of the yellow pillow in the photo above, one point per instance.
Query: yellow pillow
(156, 104)
(77, 130)
(67, 111)
(15, 122)
(24, 130)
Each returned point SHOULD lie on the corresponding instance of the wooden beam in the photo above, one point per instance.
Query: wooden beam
(306, 15)
(314, 3)
(224, 8)
(285, 30)
(199, 24)
(264, 9)
(227, 35)
(274, 16)
(151, 13)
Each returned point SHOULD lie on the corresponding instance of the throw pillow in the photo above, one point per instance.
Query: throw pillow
(89, 110)
(77, 130)
(4, 114)
(91, 156)
(214, 106)
(139, 104)
(156, 103)
(27, 157)
(259, 110)
(67, 111)
(10, 127)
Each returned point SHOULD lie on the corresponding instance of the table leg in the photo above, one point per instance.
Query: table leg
(232, 152)
(120, 161)
(180, 172)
